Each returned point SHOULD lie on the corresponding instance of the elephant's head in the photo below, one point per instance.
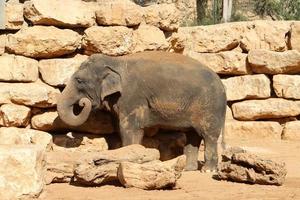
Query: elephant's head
(96, 79)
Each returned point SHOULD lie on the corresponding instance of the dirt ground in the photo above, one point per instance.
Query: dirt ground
(196, 185)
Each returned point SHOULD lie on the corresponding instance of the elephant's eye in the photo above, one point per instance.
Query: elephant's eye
(79, 80)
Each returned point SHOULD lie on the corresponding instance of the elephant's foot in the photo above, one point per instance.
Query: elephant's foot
(209, 167)
(191, 153)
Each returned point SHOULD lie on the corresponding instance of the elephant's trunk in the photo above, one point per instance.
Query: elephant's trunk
(65, 109)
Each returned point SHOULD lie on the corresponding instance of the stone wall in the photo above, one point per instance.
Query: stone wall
(44, 43)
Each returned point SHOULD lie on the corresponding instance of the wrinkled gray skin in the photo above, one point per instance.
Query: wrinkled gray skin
(151, 90)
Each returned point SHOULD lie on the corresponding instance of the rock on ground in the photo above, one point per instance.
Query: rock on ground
(228, 62)
(271, 62)
(51, 12)
(22, 171)
(23, 136)
(43, 42)
(295, 36)
(287, 86)
(265, 109)
(57, 72)
(249, 168)
(18, 68)
(247, 87)
(151, 175)
(14, 115)
(291, 131)
(98, 168)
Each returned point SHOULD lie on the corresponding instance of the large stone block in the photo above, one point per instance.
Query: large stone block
(247, 87)
(35, 94)
(22, 171)
(269, 35)
(13, 15)
(14, 115)
(119, 13)
(291, 131)
(115, 40)
(24, 136)
(56, 72)
(43, 42)
(18, 69)
(295, 36)
(253, 130)
(271, 62)
(149, 38)
(72, 13)
(287, 86)
(3, 39)
(265, 109)
(97, 123)
(229, 62)
(163, 16)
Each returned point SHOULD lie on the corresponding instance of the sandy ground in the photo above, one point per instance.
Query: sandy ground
(196, 185)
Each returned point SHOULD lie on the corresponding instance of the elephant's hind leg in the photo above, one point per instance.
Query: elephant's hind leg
(191, 150)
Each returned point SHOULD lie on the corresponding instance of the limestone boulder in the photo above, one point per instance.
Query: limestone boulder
(269, 35)
(43, 42)
(56, 72)
(265, 109)
(51, 12)
(18, 68)
(3, 39)
(13, 15)
(253, 130)
(114, 40)
(41, 95)
(151, 175)
(149, 38)
(295, 36)
(14, 115)
(97, 123)
(229, 115)
(22, 171)
(101, 167)
(24, 136)
(229, 62)
(287, 86)
(270, 62)
(163, 16)
(291, 131)
(119, 13)
(247, 87)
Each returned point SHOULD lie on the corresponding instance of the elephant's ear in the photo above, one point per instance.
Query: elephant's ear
(111, 83)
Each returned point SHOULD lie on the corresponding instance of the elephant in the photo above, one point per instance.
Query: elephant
(148, 91)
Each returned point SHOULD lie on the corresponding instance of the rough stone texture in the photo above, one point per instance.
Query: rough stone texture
(22, 171)
(287, 86)
(163, 16)
(18, 68)
(52, 12)
(14, 115)
(43, 42)
(229, 62)
(247, 87)
(291, 131)
(41, 95)
(270, 35)
(249, 168)
(13, 15)
(119, 13)
(229, 115)
(295, 36)
(151, 175)
(115, 40)
(270, 62)
(3, 39)
(80, 142)
(56, 72)
(23, 136)
(97, 123)
(60, 166)
(149, 38)
(265, 109)
(98, 168)
(253, 130)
